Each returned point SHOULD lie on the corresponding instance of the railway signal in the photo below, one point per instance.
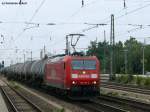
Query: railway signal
(2, 64)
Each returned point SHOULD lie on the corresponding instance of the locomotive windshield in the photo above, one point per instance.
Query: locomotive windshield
(84, 64)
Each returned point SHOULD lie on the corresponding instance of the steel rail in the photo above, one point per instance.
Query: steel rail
(10, 101)
(29, 101)
(126, 88)
(132, 103)
(91, 107)
(108, 107)
(94, 105)
(19, 94)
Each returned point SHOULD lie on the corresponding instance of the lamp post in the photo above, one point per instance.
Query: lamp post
(143, 56)
(143, 70)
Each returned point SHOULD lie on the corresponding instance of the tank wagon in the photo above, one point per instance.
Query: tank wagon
(75, 76)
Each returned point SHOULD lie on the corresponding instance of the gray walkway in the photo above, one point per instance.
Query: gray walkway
(3, 107)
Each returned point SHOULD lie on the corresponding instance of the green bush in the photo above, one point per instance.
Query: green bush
(134, 80)
(147, 82)
(139, 80)
(124, 79)
(113, 78)
(118, 79)
(62, 110)
(130, 78)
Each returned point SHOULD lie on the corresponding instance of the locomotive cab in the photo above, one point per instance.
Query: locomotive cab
(84, 76)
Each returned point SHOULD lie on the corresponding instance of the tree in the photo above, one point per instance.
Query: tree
(134, 56)
(147, 58)
(119, 57)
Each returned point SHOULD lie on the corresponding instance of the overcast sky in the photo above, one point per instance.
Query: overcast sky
(69, 17)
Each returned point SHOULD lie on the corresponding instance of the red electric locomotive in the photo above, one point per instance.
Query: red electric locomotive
(76, 75)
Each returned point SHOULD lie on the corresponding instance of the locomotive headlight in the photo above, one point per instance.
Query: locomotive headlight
(73, 82)
(93, 75)
(74, 75)
(83, 72)
(94, 82)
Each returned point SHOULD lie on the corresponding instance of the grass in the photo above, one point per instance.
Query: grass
(13, 84)
(59, 110)
(134, 80)
(112, 94)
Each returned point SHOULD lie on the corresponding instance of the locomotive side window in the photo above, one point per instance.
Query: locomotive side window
(83, 64)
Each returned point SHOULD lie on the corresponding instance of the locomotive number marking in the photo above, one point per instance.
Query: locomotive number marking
(84, 76)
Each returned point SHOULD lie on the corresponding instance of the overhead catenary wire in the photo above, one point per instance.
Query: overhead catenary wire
(30, 20)
(34, 23)
(118, 17)
(32, 17)
(93, 2)
(132, 30)
(82, 7)
(37, 10)
(93, 26)
(132, 11)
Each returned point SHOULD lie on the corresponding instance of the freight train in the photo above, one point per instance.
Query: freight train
(74, 76)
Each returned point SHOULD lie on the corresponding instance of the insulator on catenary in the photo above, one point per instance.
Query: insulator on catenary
(125, 4)
(82, 3)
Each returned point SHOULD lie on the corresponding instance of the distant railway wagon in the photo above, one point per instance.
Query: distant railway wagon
(76, 76)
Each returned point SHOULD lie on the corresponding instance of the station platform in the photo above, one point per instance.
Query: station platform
(3, 107)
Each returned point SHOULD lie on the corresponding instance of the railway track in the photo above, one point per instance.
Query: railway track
(99, 106)
(17, 102)
(93, 105)
(112, 104)
(130, 105)
(106, 103)
(126, 88)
